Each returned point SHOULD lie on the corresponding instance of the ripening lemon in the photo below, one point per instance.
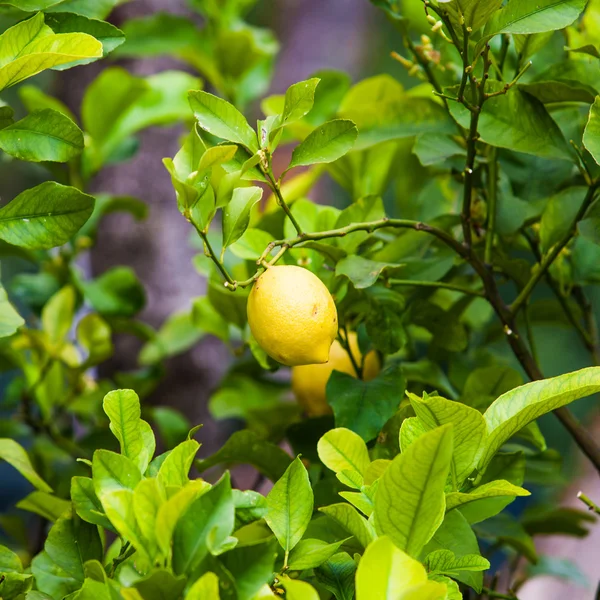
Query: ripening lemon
(309, 382)
(292, 316)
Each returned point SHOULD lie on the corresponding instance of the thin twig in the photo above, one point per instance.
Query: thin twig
(589, 503)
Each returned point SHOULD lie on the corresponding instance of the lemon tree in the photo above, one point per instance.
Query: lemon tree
(408, 359)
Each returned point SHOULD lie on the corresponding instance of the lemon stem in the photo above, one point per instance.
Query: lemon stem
(346, 345)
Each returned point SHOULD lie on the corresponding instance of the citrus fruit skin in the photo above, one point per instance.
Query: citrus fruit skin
(292, 316)
(309, 382)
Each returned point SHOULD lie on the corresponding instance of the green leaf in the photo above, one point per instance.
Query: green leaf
(86, 503)
(116, 293)
(176, 467)
(534, 16)
(44, 504)
(95, 336)
(516, 121)
(434, 148)
(456, 535)
(120, 509)
(100, 9)
(123, 409)
(222, 119)
(299, 99)
(290, 505)
(387, 573)
(30, 47)
(113, 472)
(148, 497)
(205, 587)
(445, 562)
(352, 521)
(310, 553)
(409, 503)
(383, 111)
(326, 143)
(16, 456)
(337, 576)
(110, 36)
(10, 320)
(519, 407)
(362, 272)
(252, 244)
(44, 135)
(343, 450)
(247, 447)
(35, 99)
(217, 155)
(69, 545)
(44, 216)
(559, 214)
(475, 13)
(236, 215)
(469, 431)
(251, 566)
(9, 561)
(203, 527)
(296, 589)
(492, 489)
(58, 314)
(591, 135)
(365, 406)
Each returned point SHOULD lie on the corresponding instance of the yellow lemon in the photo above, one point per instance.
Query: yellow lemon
(309, 382)
(292, 316)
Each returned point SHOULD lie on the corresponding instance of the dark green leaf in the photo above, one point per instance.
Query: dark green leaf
(365, 406)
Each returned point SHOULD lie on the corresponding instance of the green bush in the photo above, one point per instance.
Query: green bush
(465, 225)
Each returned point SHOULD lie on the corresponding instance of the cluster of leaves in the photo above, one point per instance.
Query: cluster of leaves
(404, 529)
(458, 200)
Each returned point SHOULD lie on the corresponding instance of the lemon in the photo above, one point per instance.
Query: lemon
(309, 382)
(292, 316)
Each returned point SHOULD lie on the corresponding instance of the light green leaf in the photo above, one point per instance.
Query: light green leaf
(295, 589)
(559, 214)
(383, 111)
(35, 99)
(326, 143)
(474, 12)
(310, 553)
(534, 16)
(148, 497)
(360, 500)
(203, 527)
(176, 467)
(352, 521)
(519, 407)
(222, 119)
(410, 503)
(290, 505)
(236, 215)
(44, 135)
(493, 489)
(30, 47)
(387, 573)
(15, 455)
(123, 409)
(205, 587)
(469, 431)
(343, 450)
(95, 335)
(434, 148)
(252, 244)
(113, 472)
(44, 216)
(58, 314)
(217, 155)
(120, 509)
(445, 562)
(299, 99)
(591, 135)
(10, 320)
(44, 504)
